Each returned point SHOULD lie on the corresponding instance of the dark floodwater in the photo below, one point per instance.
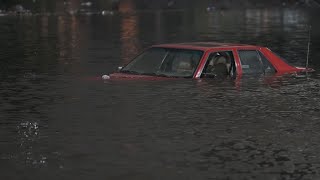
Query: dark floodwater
(57, 121)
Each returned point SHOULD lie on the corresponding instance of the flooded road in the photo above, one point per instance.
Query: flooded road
(59, 121)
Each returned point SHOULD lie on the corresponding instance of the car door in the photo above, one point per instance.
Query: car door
(219, 63)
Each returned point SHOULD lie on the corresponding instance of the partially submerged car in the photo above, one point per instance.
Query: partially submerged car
(205, 60)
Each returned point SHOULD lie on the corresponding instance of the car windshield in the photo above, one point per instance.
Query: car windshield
(165, 62)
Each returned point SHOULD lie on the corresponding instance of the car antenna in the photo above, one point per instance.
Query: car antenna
(308, 51)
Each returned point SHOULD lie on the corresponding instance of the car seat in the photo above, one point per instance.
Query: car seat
(220, 66)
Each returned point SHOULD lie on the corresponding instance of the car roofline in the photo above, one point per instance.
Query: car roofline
(204, 46)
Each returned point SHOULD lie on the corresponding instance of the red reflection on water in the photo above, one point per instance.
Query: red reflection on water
(44, 25)
(129, 31)
(68, 31)
(126, 6)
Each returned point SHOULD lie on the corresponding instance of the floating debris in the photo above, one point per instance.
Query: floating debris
(105, 77)
(106, 12)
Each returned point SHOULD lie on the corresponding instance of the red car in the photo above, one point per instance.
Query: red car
(205, 60)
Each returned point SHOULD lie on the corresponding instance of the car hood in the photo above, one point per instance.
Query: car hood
(305, 69)
(115, 76)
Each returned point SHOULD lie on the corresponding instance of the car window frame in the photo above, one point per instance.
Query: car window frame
(208, 55)
(259, 57)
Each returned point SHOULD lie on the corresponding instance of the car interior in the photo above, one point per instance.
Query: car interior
(219, 64)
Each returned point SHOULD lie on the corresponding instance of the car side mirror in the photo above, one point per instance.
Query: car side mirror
(119, 68)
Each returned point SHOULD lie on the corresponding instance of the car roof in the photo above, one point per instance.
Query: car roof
(204, 45)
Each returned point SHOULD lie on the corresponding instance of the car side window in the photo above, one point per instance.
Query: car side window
(250, 62)
(219, 64)
(253, 62)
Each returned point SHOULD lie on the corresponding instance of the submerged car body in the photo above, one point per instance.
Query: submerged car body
(205, 60)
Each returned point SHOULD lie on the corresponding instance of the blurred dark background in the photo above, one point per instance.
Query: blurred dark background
(58, 5)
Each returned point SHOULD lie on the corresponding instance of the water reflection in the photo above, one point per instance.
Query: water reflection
(68, 42)
(129, 31)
